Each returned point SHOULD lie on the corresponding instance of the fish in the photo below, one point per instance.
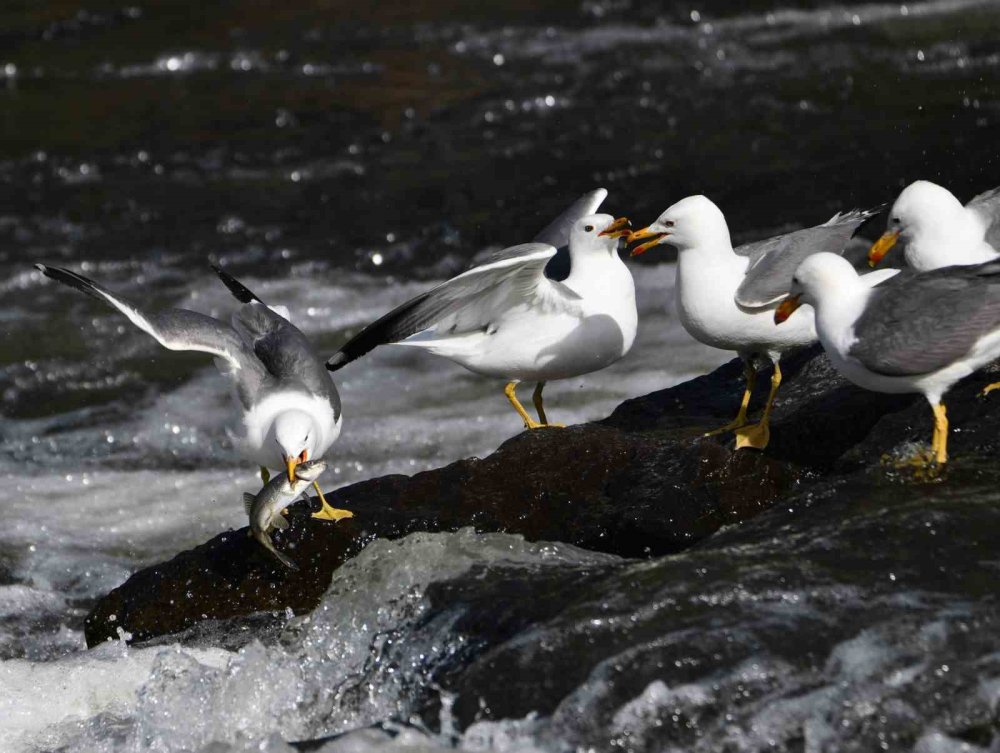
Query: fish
(264, 507)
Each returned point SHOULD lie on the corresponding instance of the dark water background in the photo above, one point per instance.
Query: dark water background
(271, 134)
(341, 155)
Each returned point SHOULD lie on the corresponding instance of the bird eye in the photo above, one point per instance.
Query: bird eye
(668, 223)
(589, 229)
(895, 220)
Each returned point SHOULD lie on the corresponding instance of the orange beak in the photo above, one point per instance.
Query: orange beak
(651, 237)
(881, 247)
(292, 462)
(617, 229)
(786, 308)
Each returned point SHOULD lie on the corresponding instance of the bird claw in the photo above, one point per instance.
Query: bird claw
(755, 436)
(731, 426)
(332, 513)
(923, 464)
(989, 388)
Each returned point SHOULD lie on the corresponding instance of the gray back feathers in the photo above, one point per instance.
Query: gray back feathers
(987, 206)
(929, 320)
(773, 261)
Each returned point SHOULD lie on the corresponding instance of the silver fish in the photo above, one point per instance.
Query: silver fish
(264, 508)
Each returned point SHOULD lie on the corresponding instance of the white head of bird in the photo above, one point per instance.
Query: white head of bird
(823, 281)
(924, 215)
(923, 207)
(692, 222)
(295, 434)
(597, 233)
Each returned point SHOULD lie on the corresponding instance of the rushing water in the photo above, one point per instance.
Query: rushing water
(340, 157)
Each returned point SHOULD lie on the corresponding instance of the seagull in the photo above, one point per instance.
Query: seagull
(291, 409)
(937, 231)
(726, 297)
(921, 334)
(558, 307)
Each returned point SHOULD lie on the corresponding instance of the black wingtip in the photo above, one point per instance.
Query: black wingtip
(337, 361)
(71, 279)
(240, 291)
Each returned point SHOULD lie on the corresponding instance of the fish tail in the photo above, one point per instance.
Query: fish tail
(284, 559)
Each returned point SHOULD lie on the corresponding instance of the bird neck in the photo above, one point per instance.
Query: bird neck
(588, 266)
(838, 308)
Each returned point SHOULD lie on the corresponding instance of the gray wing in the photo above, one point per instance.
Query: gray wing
(987, 206)
(928, 321)
(556, 233)
(524, 263)
(280, 346)
(773, 261)
(179, 329)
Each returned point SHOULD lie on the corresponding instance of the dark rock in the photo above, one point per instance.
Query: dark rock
(640, 483)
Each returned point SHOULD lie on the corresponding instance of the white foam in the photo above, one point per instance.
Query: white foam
(348, 665)
(43, 703)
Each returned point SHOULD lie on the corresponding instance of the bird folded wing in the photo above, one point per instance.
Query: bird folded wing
(987, 206)
(928, 323)
(773, 261)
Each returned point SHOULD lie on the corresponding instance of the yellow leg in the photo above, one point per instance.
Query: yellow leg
(536, 398)
(989, 388)
(759, 434)
(327, 512)
(529, 422)
(750, 374)
(939, 441)
(265, 475)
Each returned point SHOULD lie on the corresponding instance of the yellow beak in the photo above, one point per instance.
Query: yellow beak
(292, 462)
(617, 229)
(786, 308)
(644, 234)
(881, 247)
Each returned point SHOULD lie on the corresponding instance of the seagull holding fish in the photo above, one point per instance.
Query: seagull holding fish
(726, 297)
(559, 307)
(921, 334)
(290, 407)
(937, 231)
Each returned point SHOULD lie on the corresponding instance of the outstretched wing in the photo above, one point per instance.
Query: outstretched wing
(928, 321)
(773, 261)
(282, 348)
(556, 233)
(987, 206)
(463, 300)
(180, 329)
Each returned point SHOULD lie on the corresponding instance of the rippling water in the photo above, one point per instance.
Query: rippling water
(341, 157)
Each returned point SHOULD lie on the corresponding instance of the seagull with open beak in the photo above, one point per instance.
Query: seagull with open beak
(936, 231)
(559, 307)
(726, 297)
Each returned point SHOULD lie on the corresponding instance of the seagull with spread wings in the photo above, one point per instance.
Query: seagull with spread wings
(290, 407)
(558, 307)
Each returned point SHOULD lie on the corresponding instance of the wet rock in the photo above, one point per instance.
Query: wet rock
(640, 483)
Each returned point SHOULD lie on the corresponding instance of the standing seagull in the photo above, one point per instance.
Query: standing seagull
(291, 409)
(726, 297)
(938, 231)
(921, 334)
(520, 317)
